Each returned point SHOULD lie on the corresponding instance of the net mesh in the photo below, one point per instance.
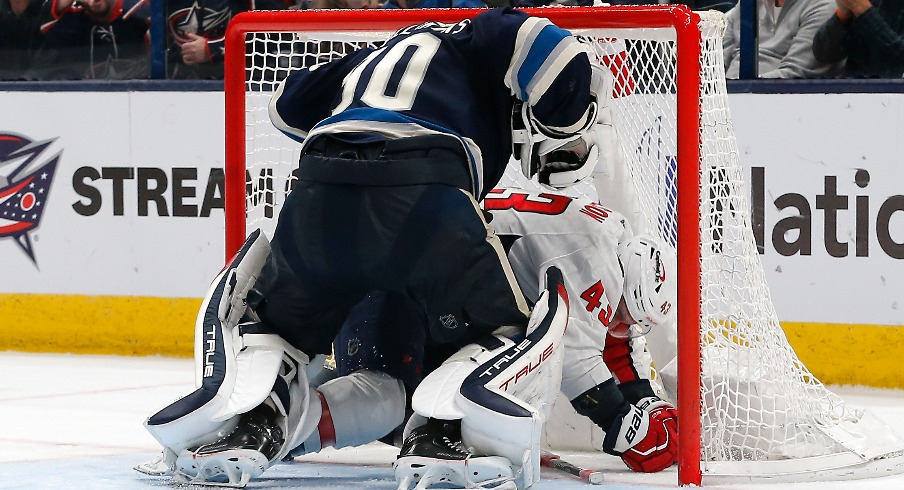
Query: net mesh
(759, 402)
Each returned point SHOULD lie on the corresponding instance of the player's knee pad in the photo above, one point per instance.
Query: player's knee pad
(502, 389)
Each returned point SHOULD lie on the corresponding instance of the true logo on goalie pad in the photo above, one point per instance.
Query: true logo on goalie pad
(524, 371)
(210, 350)
(503, 361)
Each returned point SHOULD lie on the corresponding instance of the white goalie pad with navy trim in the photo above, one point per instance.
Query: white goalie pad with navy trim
(503, 388)
(237, 366)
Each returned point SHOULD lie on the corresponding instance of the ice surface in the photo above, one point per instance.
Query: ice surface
(74, 421)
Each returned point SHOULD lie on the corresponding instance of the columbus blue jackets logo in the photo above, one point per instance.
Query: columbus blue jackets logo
(26, 172)
(202, 21)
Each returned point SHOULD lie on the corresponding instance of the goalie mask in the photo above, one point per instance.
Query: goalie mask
(651, 274)
(558, 161)
(561, 160)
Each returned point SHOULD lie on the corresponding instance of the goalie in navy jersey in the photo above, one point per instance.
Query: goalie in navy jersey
(398, 145)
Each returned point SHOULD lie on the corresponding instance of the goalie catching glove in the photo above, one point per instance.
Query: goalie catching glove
(645, 436)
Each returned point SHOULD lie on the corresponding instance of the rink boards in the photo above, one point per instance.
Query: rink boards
(131, 228)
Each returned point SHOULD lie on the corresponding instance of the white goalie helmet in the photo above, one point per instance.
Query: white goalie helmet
(559, 160)
(651, 276)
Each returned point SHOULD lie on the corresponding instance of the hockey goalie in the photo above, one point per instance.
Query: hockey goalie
(256, 402)
(496, 355)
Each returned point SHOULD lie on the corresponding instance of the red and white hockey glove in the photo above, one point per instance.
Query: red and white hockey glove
(645, 438)
(659, 409)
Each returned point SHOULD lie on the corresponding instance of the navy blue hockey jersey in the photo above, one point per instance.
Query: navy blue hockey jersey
(208, 18)
(459, 80)
(76, 44)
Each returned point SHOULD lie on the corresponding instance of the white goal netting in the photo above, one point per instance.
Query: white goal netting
(761, 410)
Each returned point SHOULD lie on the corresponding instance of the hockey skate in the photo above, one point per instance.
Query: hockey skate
(434, 454)
(239, 456)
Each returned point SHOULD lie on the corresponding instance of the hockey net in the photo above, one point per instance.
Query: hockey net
(761, 412)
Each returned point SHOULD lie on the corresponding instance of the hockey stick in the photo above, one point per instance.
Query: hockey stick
(550, 460)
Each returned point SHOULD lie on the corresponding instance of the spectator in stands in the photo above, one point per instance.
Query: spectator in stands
(344, 4)
(561, 3)
(17, 33)
(720, 5)
(20, 33)
(196, 32)
(95, 39)
(433, 4)
(786, 31)
(869, 34)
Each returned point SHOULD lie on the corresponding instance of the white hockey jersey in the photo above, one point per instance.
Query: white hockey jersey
(580, 237)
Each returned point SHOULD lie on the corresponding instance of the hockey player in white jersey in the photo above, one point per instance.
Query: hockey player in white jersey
(622, 286)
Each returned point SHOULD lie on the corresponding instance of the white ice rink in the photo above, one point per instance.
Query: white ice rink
(70, 421)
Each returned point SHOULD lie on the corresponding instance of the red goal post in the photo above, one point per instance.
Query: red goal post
(675, 134)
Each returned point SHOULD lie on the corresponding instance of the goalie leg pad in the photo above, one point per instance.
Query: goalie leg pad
(258, 367)
(218, 343)
(238, 367)
(258, 438)
(501, 389)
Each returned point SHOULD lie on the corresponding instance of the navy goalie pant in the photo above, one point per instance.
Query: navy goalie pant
(335, 243)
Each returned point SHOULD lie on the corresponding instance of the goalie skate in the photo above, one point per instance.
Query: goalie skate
(434, 454)
(232, 461)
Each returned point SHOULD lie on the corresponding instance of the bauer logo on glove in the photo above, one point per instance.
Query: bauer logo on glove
(646, 436)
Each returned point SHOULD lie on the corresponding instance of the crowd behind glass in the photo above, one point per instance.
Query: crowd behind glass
(110, 39)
